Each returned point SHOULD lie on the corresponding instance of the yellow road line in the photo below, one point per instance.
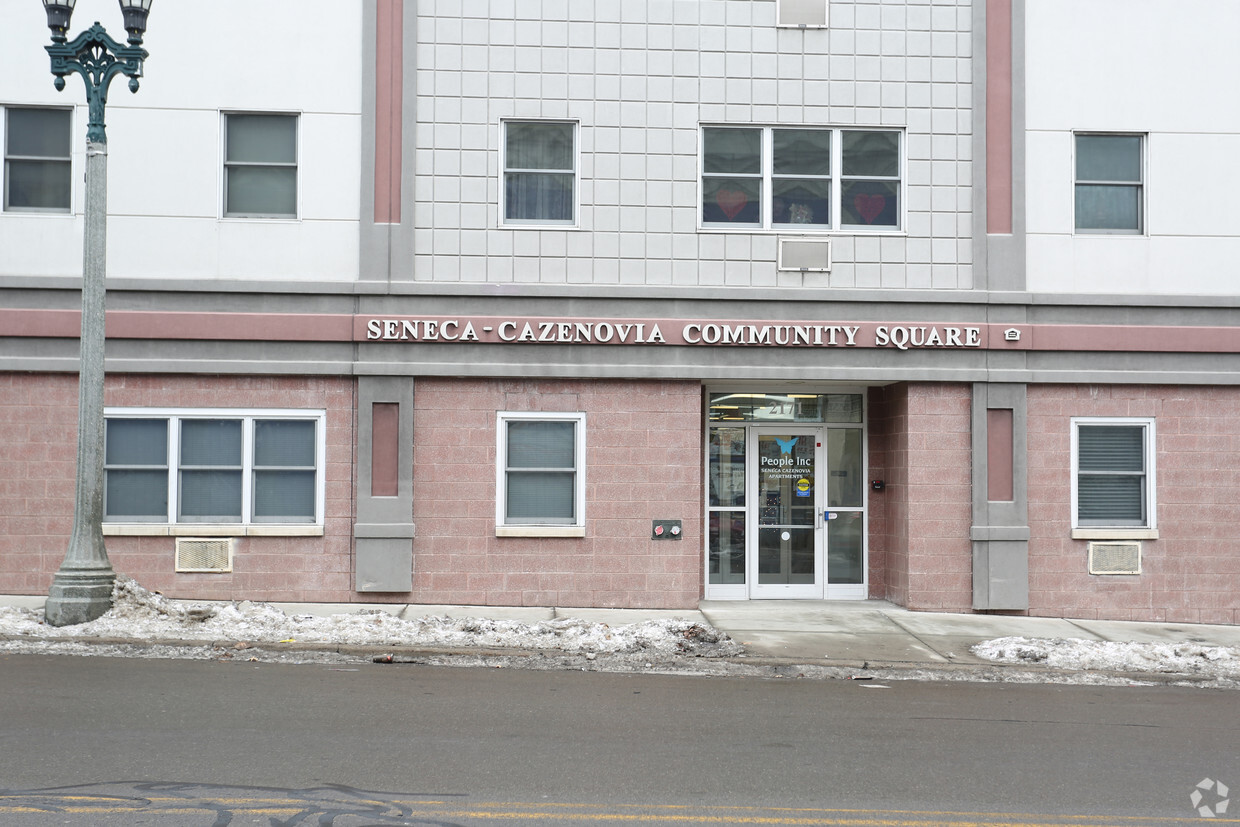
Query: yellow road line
(549, 811)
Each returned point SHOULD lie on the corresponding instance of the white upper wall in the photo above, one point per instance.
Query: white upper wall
(1164, 70)
(164, 143)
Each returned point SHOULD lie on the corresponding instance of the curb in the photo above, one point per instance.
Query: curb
(638, 662)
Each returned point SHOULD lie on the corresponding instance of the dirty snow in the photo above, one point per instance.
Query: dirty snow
(1195, 659)
(146, 624)
(139, 615)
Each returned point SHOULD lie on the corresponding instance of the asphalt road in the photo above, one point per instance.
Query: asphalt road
(104, 741)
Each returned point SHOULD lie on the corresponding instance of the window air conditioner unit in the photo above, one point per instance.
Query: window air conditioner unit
(805, 14)
(805, 255)
(204, 555)
(1114, 558)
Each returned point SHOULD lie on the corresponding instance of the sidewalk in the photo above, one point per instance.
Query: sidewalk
(878, 632)
(838, 638)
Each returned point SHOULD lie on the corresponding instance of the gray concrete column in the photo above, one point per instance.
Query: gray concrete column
(384, 531)
(1000, 531)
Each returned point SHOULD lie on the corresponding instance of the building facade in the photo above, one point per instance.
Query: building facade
(534, 302)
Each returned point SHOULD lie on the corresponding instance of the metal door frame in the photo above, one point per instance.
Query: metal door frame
(743, 591)
(777, 591)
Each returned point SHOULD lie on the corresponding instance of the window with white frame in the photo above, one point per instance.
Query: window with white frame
(260, 166)
(1109, 191)
(541, 470)
(801, 179)
(1113, 473)
(540, 172)
(37, 160)
(213, 466)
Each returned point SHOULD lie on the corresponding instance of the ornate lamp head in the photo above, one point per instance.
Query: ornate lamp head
(134, 13)
(59, 13)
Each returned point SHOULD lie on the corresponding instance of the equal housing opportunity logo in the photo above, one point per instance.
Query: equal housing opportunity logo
(1209, 798)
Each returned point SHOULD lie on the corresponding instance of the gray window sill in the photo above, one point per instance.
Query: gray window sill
(211, 530)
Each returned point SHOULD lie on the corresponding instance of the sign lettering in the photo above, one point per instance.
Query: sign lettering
(692, 333)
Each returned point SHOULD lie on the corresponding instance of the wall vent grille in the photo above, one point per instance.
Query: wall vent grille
(204, 555)
(1114, 558)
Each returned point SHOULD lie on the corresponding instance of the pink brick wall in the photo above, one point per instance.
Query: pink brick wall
(1192, 572)
(643, 461)
(38, 438)
(920, 443)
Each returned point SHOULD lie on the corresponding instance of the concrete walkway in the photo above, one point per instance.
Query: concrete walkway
(879, 633)
(882, 633)
(853, 632)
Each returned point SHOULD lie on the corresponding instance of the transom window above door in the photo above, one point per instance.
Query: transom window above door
(792, 407)
(802, 179)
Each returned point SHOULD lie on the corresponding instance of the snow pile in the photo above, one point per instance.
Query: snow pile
(1099, 655)
(140, 615)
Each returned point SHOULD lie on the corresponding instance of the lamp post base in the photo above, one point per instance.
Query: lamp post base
(79, 596)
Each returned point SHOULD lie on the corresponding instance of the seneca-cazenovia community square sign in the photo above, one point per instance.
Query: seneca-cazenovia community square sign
(411, 330)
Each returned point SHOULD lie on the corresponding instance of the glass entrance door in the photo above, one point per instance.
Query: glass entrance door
(786, 496)
(787, 543)
(844, 514)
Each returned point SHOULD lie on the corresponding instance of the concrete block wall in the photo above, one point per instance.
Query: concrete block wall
(920, 554)
(643, 462)
(639, 78)
(38, 444)
(1191, 573)
(940, 496)
(887, 413)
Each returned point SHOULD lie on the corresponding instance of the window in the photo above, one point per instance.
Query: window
(233, 467)
(540, 172)
(1108, 184)
(37, 165)
(1113, 473)
(541, 472)
(800, 179)
(260, 166)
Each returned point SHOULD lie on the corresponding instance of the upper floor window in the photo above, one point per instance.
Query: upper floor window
(541, 474)
(37, 164)
(540, 172)
(213, 466)
(1113, 473)
(260, 166)
(1109, 192)
(800, 178)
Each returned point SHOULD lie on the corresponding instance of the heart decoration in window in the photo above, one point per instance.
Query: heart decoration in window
(869, 206)
(731, 202)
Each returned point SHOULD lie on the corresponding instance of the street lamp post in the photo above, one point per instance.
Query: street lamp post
(82, 589)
